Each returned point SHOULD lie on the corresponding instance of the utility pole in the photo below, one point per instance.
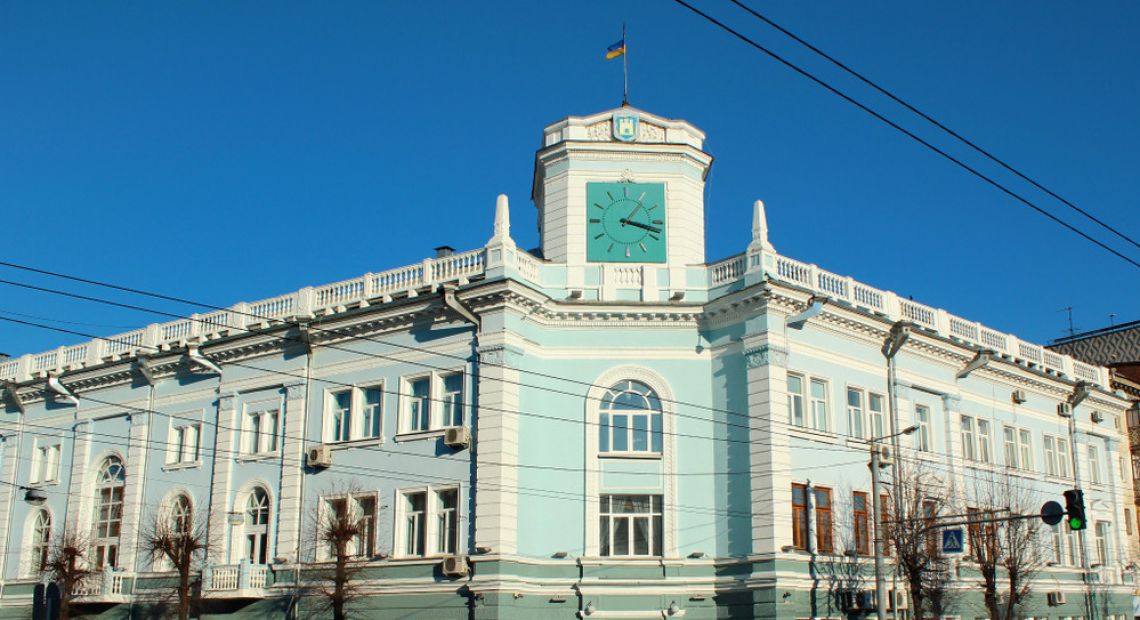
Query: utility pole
(876, 503)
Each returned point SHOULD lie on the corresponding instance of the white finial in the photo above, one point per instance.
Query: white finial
(760, 227)
(502, 220)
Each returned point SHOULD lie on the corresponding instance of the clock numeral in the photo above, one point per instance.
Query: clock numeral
(658, 222)
(652, 208)
(642, 246)
(627, 251)
(610, 249)
(600, 235)
(625, 192)
(611, 196)
(599, 206)
(655, 237)
(595, 220)
(642, 196)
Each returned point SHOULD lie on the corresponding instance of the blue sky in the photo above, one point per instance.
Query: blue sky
(232, 151)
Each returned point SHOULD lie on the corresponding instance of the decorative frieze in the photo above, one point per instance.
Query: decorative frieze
(766, 354)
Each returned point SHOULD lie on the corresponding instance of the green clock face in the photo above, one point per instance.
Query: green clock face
(625, 222)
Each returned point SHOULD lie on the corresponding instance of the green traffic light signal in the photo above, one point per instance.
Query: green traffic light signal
(1075, 507)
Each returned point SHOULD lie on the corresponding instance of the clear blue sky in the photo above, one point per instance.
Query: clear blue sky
(231, 151)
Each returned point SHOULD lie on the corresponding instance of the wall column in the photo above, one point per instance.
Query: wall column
(289, 516)
(220, 502)
(137, 449)
(496, 448)
(765, 357)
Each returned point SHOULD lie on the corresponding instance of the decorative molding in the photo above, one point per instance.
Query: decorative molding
(500, 355)
(600, 132)
(766, 354)
(648, 132)
(295, 391)
(226, 402)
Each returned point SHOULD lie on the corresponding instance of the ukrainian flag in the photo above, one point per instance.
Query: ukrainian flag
(615, 50)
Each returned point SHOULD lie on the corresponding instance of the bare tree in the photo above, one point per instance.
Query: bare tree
(1011, 549)
(344, 531)
(178, 539)
(67, 566)
(918, 500)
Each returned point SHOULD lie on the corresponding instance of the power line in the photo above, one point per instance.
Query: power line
(904, 131)
(932, 121)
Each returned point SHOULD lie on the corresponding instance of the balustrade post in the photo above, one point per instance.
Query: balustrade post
(813, 276)
(369, 285)
(243, 574)
(240, 316)
(195, 327)
(428, 275)
(891, 305)
(24, 368)
(108, 581)
(942, 323)
(305, 301)
(59, 359)
(152, 335)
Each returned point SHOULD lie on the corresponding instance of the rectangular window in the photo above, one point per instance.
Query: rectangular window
(861, 510)
(415, 522)
(968, 447)
(1128, 521)
(823, 522)
(821, 419)
(855, 412)
(447, 526)
(875, 406)
(1050, 455)
(885, 525)
(922, 439)
(631, 525)
(342, 416)
(799, 517)
(354, 414)
(359, 511)
(453, 399)
(1064, 458)
(1058, 545)
(419, 409)
(1094, 465)
(1010, 446)
(1025, 443)
(45, 464)
(930, 514)
(985, 442)
(371, 415)
(260, 431)
(796, 400)
(1102, 554)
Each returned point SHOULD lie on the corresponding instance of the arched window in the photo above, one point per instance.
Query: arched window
(109, 485)
(629, 419)
(40, 542)
(257, 526)
(181, 515)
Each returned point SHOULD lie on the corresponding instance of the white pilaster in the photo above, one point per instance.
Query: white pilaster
(292, 452)
(496, 444)
(765, 357)
(133, 506)
(220, 501)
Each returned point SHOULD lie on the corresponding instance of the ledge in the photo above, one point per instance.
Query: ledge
(417, 435)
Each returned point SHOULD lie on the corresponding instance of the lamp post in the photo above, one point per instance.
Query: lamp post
(876, 504)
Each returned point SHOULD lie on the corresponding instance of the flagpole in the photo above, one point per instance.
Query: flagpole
(624, 68)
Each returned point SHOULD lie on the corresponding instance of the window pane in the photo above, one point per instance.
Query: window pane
(621, 433)
(371, 426)
(641, 536)
(640, 433)
(604, 432)
(621, 535)
(604, 529)
(657, 434)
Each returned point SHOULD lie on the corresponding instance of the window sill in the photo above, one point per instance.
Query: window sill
(181, 465)
(643, 456)
(362, 442)
(260, 456)
(804, 432)
(44, 483)
(417, 435)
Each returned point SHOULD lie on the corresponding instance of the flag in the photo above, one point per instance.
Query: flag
(615, 50)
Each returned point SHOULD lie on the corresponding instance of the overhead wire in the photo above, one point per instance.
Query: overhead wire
(987, 154)
(913, 136)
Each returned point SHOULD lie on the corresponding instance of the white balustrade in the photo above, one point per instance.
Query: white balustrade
(75, 355)
(257, 575)
(396, 280)
(274, 308)
(458, 266)
(339, 293)
(223, 578)
(727, 270)
(527, 265)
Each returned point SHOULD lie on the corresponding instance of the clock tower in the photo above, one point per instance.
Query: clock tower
(622, 188)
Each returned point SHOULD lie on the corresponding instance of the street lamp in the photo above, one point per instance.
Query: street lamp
(876, 503)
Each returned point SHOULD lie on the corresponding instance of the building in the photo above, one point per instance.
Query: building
(609, 427)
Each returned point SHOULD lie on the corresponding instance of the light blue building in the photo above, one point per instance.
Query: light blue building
(607, 427)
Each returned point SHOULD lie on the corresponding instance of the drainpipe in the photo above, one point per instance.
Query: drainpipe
(310, 353)
(142, 486)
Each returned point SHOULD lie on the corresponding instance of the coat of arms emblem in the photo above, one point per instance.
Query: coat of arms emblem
(625, 126)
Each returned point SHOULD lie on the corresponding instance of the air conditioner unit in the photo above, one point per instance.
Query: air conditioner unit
(455, 566)
(886, 456)
(1097, 417)
(319, 456)
(1055, 598)
(457, 437)
(1018, 396)
(896, 600)
(1065, 410)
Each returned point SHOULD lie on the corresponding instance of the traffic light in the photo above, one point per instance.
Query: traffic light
(1075, 507)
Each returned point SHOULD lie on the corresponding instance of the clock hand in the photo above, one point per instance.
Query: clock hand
(631, 214)
(625, 221)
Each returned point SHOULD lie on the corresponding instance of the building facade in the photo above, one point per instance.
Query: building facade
(607, 427)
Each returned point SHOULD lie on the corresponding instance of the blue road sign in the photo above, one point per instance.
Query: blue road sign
(952, 540)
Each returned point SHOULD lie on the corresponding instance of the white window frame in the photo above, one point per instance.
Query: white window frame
(257, 438)
(820, 403)
(1049, 450)
(797, 398)
(1025, 449)
(985, 441)
(246, 529)
(179, 429)
(924, 438)
(431, 521)
(968, 432)
(653, 535)
(1064, 458)
(856, 414)
(1103, 531)
(357, 430)
(607, 424)
(435, 401)
(877, 419)
(38, 544)
(353, 503)
(45, 464)
(1096, 476)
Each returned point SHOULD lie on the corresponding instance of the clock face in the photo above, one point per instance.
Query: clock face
(625, 222)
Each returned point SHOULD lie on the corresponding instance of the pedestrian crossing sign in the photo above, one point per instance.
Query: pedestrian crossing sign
(952, 540)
